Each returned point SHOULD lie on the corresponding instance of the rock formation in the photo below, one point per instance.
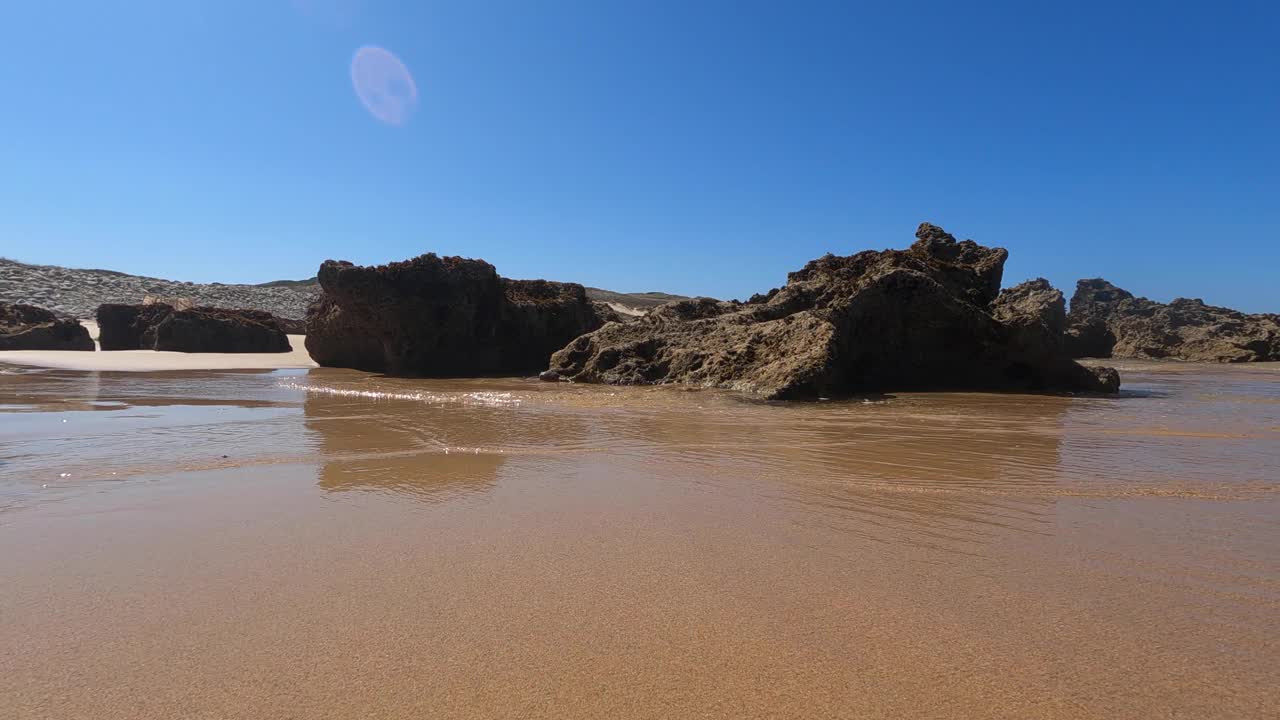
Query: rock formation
(291, 326)
(77, 293)
(1106, 321)
(200, 329)
(443, 317)
(929, 317)
(26, 327)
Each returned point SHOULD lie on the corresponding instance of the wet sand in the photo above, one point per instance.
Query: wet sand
(330, 544)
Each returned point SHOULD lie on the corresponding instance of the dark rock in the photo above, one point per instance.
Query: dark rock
(442, 317)
(290, 326)
(760, 299)
(549, 376)
(200, 329)
(929, 317)
(1108, 378)
(1034, 316)
(26, 327)
(120, 327)
(1106, 321)
(607, 314)
(1087, 334)
(965, 267)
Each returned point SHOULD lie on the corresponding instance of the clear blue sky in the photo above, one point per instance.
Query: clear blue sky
(694, 147)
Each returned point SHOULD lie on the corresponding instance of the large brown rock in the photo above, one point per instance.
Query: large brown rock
(1034, 317)
(437, 316)
(27, 327)
(291, 326)
(928, 317)
(157, 326)
(1106, 321)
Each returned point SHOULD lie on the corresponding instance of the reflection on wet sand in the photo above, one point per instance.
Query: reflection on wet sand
(394, 448)
(950, 472)
(923, 468)
(374, 547)
(385, 435)
(62, 427)
(917, 468)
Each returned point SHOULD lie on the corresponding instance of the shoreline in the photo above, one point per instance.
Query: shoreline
(466, 548)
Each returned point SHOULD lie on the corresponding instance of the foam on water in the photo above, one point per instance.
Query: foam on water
(476, 398)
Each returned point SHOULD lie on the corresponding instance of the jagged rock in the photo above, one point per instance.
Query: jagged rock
(157, 326)
(1034, 315)
(442, 317)
(1106, 321)
(605, 312)
(26, 327)
(1087, 334)
(923, 318)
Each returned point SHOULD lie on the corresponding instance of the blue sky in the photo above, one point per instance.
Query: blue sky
(693, 147)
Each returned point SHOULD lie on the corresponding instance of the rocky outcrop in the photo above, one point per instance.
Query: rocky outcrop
(1034, 318)
(290, 326)
(26, 327)
(929, 317)
(1106, 321)
(77, 292)
(199, 329)
(442, 317)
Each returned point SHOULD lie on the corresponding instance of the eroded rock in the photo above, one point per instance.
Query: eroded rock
(158, 326)
(928, 317)
(1106, 321)
(292, 326)
(27, 327)
(437, 316)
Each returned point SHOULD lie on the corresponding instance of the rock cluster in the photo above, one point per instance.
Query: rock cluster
(1106, 321)
(77, 293)
(199, 329)
(929, 317)
(437, 316)
(26, 327)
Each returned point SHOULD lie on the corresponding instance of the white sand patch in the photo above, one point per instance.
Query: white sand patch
(151, 360)
(625, 309)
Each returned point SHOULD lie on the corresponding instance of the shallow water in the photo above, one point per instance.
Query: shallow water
(327, 543)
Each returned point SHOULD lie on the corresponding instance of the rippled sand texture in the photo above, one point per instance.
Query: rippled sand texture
(328, 544)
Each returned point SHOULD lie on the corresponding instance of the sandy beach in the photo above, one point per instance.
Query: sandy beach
(657, 361)
(153, 361)
(332, 544)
